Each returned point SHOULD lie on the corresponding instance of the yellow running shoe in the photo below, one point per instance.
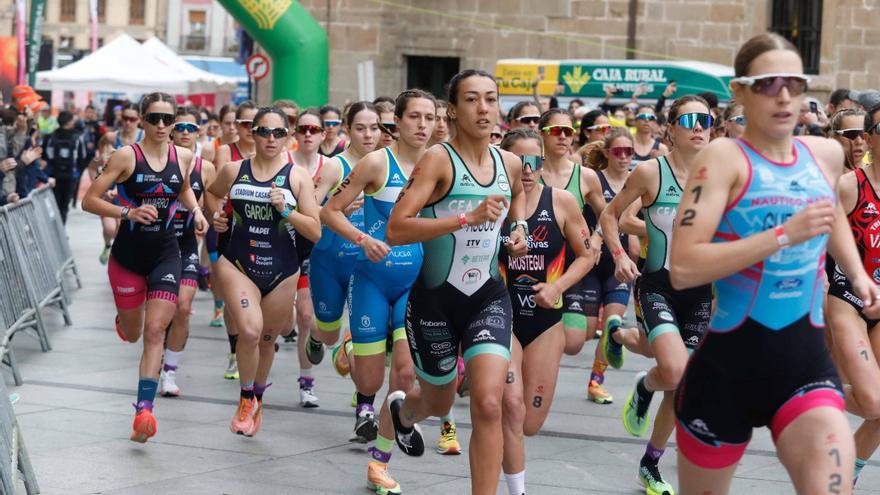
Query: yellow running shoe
(597, 393)
(378, 479)
(448, 444)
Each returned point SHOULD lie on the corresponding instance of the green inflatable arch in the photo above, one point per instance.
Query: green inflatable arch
(296, 43)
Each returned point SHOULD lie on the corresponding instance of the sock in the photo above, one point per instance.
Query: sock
(203, 271)
(448, 418)
(107, 245)
(247, 390)
(306, 382)
(171, 359)
(516, 483)
(146, 393)
(305, 373)
(381, 450)
(233, 340)
(642, 387)
(314, 341)
(598, 372)
(218, 303)
(652, 454)
(349, 345)
(259, 390)
(365, 399)
(860, 464)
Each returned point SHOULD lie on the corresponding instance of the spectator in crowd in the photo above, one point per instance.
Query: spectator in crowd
(840, 99)
(46, 122)
(21, 145)
(65, 154)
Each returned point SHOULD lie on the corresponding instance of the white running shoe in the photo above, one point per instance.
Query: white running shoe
(168, 383)
(231, 372)
(307, 397)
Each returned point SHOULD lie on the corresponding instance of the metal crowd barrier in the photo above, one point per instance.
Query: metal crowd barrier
(15, 463)
(34, 260)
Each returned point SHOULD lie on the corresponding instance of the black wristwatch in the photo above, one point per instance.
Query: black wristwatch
(124, 214)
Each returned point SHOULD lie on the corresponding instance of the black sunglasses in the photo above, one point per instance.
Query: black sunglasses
(851, 133)
(529, 119)
(388, 127)
(276, 132)
(153, 118)
(534, 162)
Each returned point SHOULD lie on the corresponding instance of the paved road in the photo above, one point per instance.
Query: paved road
(76, 414)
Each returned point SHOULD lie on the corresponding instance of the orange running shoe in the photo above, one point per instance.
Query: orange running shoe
(340, 357)
(258, 419)
(243, 421)
(378, 479)
(144, 426)
(597, 393)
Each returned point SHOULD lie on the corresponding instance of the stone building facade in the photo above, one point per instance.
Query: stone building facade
(479, 32)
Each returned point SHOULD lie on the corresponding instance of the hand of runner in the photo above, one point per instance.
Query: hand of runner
(866, 290)
(546, 295)
(375, 249)
(276, 197)
(625, 270)
(200, 222)
(516, 244)
(145, 214)
(488, 211)
(221, 223)
(353, 207)
(814, 220)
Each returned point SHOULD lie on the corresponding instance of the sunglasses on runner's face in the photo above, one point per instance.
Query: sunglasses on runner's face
(154, 118)
(772, 84)
(851, 134)
(244, 123)
(310, 130)
(528, 119)
(739, 120)
(646, 116)
(496, 135)
(131, 119)
(532, 162)
(332, 123)
(185, 127)
(690, 120)
(388, 127)
(622, 151)
(558, 130)
(601, 128)
(875, 129)
(276, 132)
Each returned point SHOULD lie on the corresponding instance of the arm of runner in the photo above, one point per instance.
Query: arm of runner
(327, 179)
(187, 197)
(304, 217)
(362, 176)
(223, 157)
(216, 191)
(596, 199)
(633, 189)
(577, 235)
(119, 167)
(696, 260)
(630, 223)
(516, 245)
(404, 225)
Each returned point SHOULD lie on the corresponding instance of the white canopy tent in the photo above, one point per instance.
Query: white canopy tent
(200, 81)
(125, 66)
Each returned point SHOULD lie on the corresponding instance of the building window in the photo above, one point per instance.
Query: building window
(102, 11)
(68, 10)
(195, 32)
(137, 11)
(65, 43)
(800, 21)
(431, 73)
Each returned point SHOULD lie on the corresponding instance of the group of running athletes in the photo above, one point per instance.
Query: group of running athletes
(467, 259)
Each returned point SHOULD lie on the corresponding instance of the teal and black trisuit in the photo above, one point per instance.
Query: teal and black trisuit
(459, 298)
(664, 309)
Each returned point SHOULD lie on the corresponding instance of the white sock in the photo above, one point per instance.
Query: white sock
(516, 483)
(172, 358)
(305, 372)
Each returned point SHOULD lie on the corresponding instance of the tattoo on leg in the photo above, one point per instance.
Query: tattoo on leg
(511, 377)
(537, 401)
(864, 355)
(267, 338)
(245, 303)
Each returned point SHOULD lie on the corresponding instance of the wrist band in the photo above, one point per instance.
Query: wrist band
(781, 238)
(520, 223)
(617, 252)
(286, 212)
(360, 238)
(462, 220)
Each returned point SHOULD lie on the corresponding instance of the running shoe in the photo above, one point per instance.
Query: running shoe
(463, 387)
(365, 425)
(315, 351)
(291, 337)
(105, 255)
(144, 426)
(650, 478)
(378, 479)
(614, 352)
(217, 320)
(340, 357)
(636, 416)
(597, 393)
(410, 442)
(258, 419)
(231, 372)
(354, 399)
(168, 383)
(448, 444)
(307, 397)
(243, 421)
